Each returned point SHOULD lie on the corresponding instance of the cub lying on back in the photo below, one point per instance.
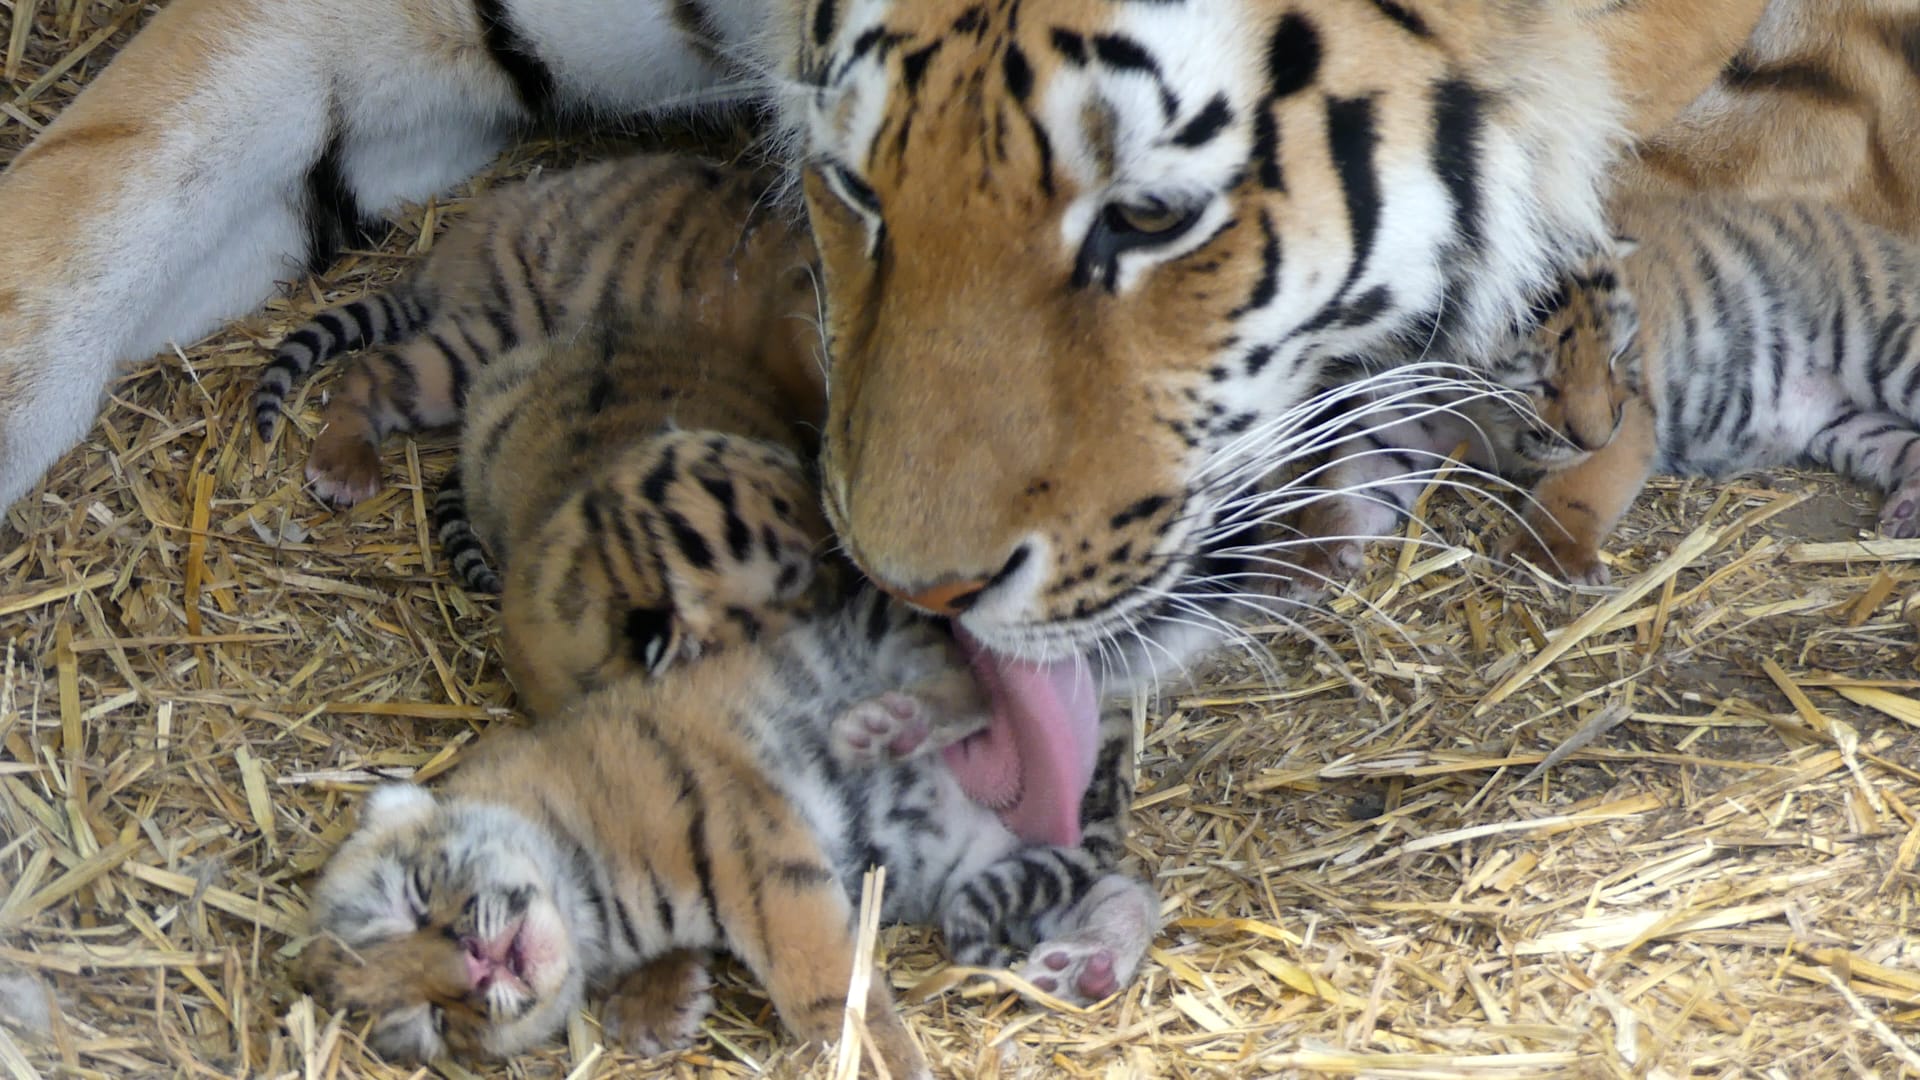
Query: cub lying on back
(731, 803)
(631, 349)
(1718, 336)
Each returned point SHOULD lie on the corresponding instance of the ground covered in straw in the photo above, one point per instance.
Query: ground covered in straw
(1370, 863)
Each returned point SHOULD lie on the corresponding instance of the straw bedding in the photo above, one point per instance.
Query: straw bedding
(1493, 828)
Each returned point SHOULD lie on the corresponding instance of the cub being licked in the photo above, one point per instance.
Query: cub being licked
(733, 804)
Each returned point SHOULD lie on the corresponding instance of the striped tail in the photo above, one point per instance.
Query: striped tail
(379, 319)
(459, 544)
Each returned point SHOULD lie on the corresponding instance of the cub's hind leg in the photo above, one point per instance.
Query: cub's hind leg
(1879, 449)
(785, 914)
(1087, 927)
(1573, 510)
(688, 541)
(1087, 924)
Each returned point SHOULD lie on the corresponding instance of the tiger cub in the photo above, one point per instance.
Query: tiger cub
(1726, 335)
(661, 240)
(642, 498)
(730, 804)
(1755, 334)
(630, 348)
(1547, 401)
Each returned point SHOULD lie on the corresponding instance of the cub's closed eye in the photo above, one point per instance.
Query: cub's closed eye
(419, 892)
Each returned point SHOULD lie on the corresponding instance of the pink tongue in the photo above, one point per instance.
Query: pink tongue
(1035, 759)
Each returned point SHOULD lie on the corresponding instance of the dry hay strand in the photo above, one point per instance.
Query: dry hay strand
(1666, 829)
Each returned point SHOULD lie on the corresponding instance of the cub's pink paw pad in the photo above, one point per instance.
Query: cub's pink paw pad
(886, 728)
(1077, 972)
(1900, 514)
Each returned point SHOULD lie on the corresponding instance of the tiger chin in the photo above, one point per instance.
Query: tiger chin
(730, 804)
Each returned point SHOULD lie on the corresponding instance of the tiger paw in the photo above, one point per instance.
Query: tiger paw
(1318, 567)
(659, 1008)
(890, 727)
(1114, 924)
(1579, 564)
(1900, 514)
(344, 472)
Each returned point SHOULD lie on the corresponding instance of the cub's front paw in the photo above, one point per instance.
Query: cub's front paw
(344, 471)
(1900, 514)
(891, 727)
(659, 1008)
(1577, 562)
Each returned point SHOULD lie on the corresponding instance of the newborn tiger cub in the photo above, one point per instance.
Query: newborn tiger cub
(733, 804)
(630, 347)
(643, 498)
(661, 240)
(1723, 336)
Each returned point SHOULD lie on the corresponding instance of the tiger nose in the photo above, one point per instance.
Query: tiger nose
(948, 598)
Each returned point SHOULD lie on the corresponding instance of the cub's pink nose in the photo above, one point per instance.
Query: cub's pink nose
(480, 969)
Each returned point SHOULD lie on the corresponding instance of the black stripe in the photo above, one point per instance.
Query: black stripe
(1352, 138)
(1268, 284)
(823, 19)
(1458, 124)
(1408, 19)
(334, 215)
(1206, 124)
(532, 80)
(1293, 56)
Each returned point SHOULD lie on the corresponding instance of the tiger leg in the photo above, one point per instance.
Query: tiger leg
(1880, 449)
(1572, 511)
(419, 383)
(229, 142)
(1088, 928)
(658, 1008)
(1088, 925)
(786, 916)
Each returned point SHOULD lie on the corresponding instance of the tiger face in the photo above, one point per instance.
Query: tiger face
(1085, 263)
(1578, 367)
(447, 924)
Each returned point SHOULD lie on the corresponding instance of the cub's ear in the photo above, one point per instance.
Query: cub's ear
(394, 805)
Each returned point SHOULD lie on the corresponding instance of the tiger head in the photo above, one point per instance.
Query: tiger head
(450, 925)
(1085, 262)
(1578, 366)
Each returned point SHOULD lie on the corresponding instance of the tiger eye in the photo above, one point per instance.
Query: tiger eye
(1150, 218)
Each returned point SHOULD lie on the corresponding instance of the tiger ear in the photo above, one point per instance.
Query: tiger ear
(393, 805)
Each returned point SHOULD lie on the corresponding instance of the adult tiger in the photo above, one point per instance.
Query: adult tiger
(1083, 258)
